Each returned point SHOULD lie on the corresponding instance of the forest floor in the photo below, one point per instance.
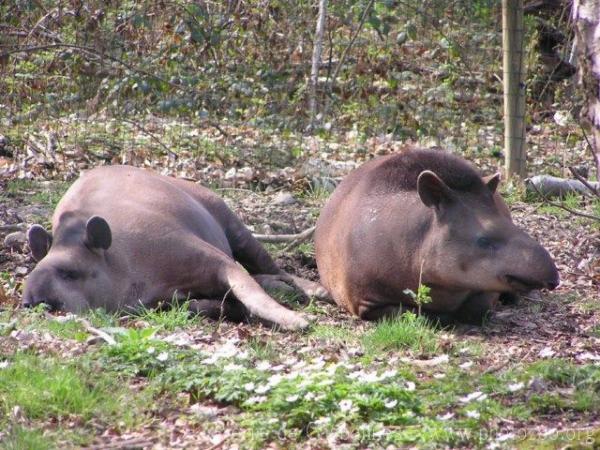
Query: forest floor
(528, 378)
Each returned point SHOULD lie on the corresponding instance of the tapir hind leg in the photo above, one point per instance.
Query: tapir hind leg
(256, 260)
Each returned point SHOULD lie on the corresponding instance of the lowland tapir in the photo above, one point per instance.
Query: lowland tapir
(125, 237)
(424, 215)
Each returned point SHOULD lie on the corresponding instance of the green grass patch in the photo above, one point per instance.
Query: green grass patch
(20, 438)
(174, 316)
(405, 332)
(343, 334)
(52, 388)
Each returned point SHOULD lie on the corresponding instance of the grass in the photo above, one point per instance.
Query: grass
(343, 334)
(405, 332)
(19, 437)
(48, 388)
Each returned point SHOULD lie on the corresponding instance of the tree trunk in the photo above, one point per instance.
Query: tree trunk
(316, 61)
(514, 88)
(586, 15)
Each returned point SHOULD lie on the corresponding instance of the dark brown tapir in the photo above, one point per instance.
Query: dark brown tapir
(125, 237)
(424, 214)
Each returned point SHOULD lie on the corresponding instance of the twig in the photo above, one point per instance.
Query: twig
(280, 238)
(95, 331)
(350, 44)
(566, 208)
(11, 228)
(584, 182)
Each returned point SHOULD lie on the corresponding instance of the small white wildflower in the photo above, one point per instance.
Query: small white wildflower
(291, 398)
(273, 420)
(355, 375)
(326, 382)
(472, 396)
(243, 355)
(299, 365)
(310, 396)
(322, 421)
(211, 360)
(4, 364)
(162, 356)
(249, 386)
(278, 368)
(388, 374)
(390, 403)
(515, 387)
(371, 377)
(262, 389)
(345, 405)
(256, 399)
(275, 380)
(546, 352)
(466, 365)
(439, 376)
(232, 367)
(473, 414)
(410, 386)
(446, 416)
(151, 350)
(263, 365)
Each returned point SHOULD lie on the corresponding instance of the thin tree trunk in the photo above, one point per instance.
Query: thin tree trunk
(316, 61)
(586, 15)
(514, 88)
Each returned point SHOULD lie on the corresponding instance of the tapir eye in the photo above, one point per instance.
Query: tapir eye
(69, 275)
(486, 243)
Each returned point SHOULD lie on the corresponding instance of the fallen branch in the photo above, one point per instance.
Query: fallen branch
(566, 208)
(283, 238)
(586, 183)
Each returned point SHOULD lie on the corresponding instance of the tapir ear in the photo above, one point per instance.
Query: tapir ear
(492, 182)
(432, 189)
(39, 241)
(98, 233)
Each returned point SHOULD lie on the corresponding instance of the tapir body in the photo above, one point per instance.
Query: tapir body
(424, 216)
(125, 237)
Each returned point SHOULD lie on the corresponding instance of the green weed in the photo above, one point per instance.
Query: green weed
(407, 331)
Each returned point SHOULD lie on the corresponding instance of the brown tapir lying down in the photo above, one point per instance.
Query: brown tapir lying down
(125, 237)
(424, 209)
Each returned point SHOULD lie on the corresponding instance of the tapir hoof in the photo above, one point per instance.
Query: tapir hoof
(294, 322)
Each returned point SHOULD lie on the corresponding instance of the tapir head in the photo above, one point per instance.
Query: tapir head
(72, 272)
(473, 244)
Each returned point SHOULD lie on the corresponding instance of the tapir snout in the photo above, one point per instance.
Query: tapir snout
(536, 271)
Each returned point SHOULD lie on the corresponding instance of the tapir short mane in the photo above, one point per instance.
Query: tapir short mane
(399, 172)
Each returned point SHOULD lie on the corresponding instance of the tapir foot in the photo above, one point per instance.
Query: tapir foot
(291, 283)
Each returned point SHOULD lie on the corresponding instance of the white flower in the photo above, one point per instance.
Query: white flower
(466, 365)
(355, 375)
(515, 387)
(546, 352)
(473, 396)
(232, 367)
(390, 403)
(263, 365)
(345, 405)
(473, 414)
(322, 421)
(262, 389)
(162, 356)
(310, 396)
(275, 380)
(256, 399)
(326, 382)
(446, 416)
(291, 398)
(151, 350)
(388, 374)
(278, 368)
(439, 376)
(371, 377)
(410, 386)
(4, 364)
(249, 386)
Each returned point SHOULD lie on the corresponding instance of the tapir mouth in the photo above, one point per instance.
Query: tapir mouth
(51, 305)
(521, 284)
